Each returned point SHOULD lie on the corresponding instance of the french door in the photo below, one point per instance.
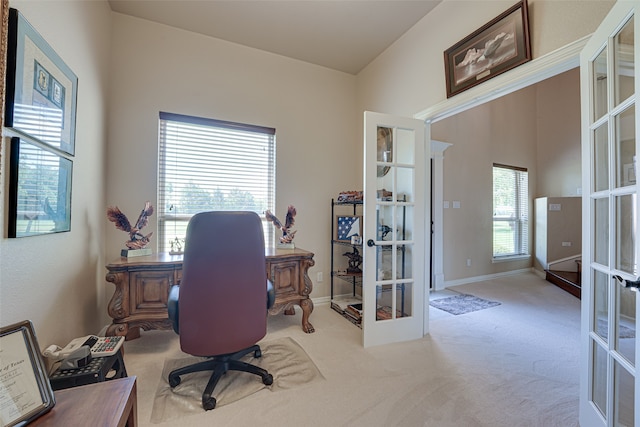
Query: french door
(395, 264)
(609, 80)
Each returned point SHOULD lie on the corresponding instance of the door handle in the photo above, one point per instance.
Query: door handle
(371, 243)
(631, 284)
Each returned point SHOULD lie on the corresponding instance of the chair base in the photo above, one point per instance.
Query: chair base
(220, 365)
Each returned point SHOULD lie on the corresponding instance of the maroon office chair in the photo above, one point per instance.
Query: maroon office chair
(220, 307)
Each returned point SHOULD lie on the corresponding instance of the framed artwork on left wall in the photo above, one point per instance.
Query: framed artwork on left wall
(39, 190)
(41, 90)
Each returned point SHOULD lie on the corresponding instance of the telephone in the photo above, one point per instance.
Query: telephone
(99, 347)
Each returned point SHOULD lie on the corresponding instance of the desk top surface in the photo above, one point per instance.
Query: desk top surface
(100, 404)
(166, 258)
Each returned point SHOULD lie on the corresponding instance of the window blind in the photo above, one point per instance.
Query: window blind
(207, 164)
(510, 211)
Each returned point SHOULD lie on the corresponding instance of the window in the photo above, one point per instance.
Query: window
(207, 164)
(510, 211)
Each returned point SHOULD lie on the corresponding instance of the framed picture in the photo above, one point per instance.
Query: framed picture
(498, 46)
(39, 190)
(348, 226)
(41, 90)
(26, 391)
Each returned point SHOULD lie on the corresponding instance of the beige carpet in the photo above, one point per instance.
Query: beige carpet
(516, 365)
(283, 358)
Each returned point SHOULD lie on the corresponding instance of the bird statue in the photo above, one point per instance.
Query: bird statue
(136, 239)
(631, 284)
(287, 233)
(355, 260)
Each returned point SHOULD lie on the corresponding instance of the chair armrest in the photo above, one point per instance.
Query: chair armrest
(172, 307)
(271, 294)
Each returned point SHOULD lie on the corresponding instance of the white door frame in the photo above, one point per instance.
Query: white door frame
(437, 200)
(537, 70)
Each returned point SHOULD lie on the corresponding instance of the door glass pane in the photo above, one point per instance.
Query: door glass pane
(404, 220)
(405, 146)
(599, 378)
(384, 265)
(404, 298)
(623, 395)
(601, 158)
(403, 263)
(600, 85)
(601, 231)
(385, 225)
(601, 303)
(405, 185)
(384, 302)
(626, 148)
(385, 149)
(623, 45)
(625, 232)
(626, 321)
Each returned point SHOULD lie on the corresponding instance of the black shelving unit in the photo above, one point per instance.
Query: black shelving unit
(353, 279)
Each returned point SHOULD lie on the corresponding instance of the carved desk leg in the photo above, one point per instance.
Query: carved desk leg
(306, 304)
(119, 305)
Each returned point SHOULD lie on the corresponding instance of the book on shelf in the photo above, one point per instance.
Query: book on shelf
(354, 310)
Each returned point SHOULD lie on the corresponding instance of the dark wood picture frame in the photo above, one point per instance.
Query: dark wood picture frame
(41, 90)
(500, 45)
(39, 190)
(27, 392)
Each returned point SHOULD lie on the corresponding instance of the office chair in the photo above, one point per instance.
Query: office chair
(219, 309)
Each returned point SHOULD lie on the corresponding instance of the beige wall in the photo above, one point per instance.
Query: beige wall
(57, 281)
(558, 142)
(502, 131)
(558, 220)
(158, 68)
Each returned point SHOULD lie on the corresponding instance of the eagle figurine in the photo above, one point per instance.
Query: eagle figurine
(287, 233)
(136, 239)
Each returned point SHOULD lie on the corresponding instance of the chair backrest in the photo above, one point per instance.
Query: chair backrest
(223, 290)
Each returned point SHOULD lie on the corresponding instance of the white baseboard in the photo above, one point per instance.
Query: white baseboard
(466, 280)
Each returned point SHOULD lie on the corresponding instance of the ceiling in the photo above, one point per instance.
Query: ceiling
(343, 35)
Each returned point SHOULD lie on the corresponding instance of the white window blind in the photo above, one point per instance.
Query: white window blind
(510, 211)
(207, 164)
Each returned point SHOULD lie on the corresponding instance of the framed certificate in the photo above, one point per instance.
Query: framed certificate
(25, 391)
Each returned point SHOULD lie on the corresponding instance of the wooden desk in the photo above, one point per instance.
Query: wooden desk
(107, 404)
(143, 283)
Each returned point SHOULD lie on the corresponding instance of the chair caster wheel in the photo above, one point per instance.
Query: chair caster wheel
(208, 403)
(267, 380)
(174, 381)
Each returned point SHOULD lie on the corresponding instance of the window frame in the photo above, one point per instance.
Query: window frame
(519, 221)
(200, 124)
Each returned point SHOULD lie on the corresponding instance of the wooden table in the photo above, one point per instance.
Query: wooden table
(143, 283)
(110, 403)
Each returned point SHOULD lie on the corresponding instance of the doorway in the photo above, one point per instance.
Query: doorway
(473, 266)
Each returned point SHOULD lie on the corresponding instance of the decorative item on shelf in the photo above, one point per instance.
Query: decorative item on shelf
(286, 241)
(177, 244)
(385, 195)
(355, 261)
(350, 196)
(137, 244)
(384, 230)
